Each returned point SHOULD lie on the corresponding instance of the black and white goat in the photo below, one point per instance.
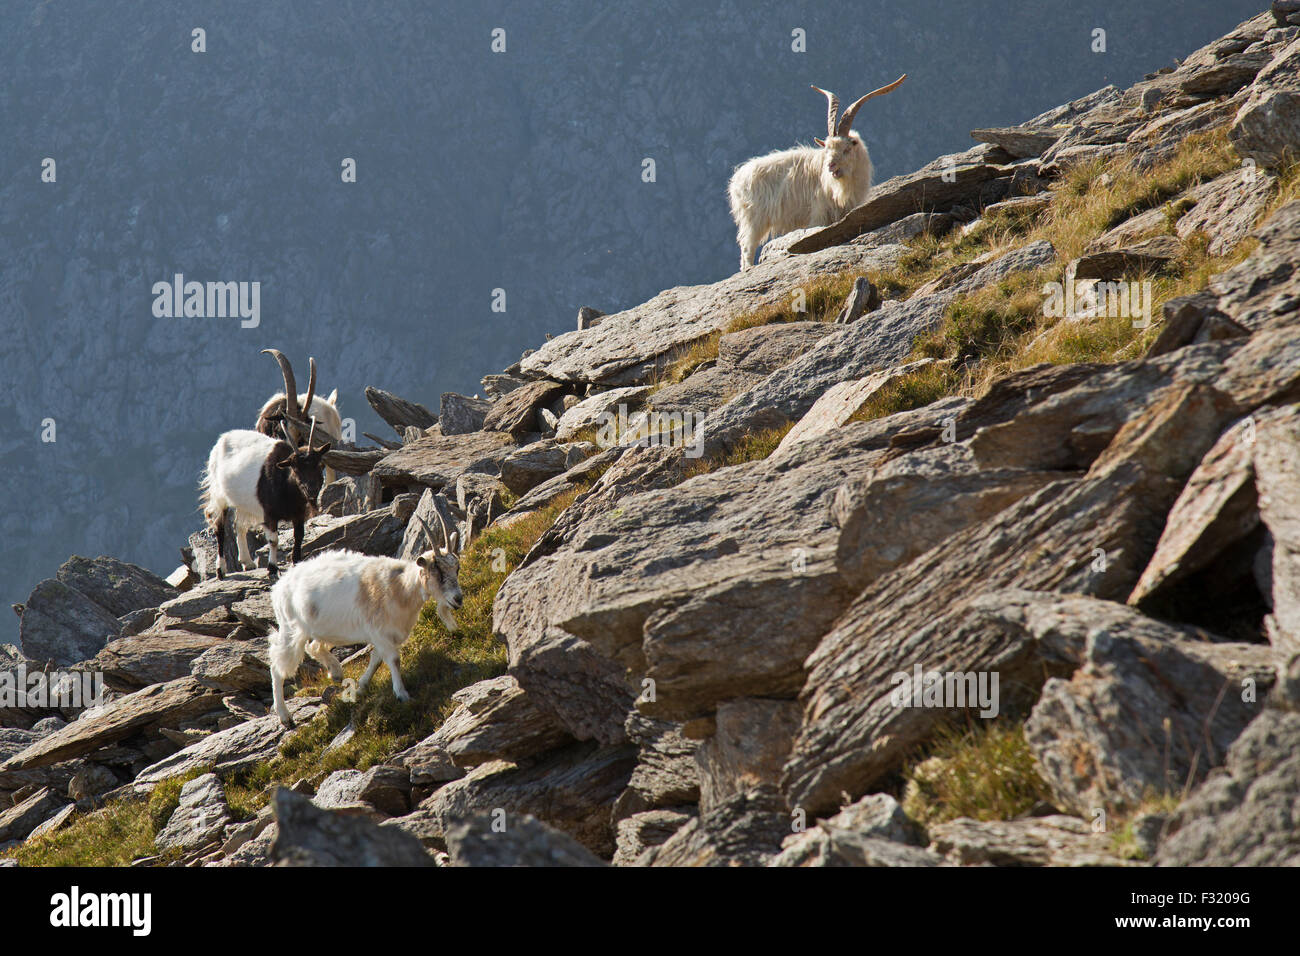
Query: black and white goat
(342, 597)
(266, 481)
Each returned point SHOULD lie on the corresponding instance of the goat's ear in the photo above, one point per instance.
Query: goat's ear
(322, 449)
(820, 142)
(334, 397)
(452, 544)
(287, 463)
(423, 562)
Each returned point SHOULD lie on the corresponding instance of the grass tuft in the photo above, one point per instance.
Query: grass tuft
(985, 773)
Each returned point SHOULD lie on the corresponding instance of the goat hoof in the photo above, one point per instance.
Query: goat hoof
(221, 575)
(272, 572)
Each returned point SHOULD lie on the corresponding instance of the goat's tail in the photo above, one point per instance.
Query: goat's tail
(287, 642)
(287, 649)
(209, 506)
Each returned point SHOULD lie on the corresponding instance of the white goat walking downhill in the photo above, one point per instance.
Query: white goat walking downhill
(342, 597)
(802, 187)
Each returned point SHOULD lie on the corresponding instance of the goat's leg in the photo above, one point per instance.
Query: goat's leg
(393, 659)
(287, 646)
(241, 544)
(273, 542)
(321, 653)
(748, 236)
(375, 659)
(297, 541)
(221, 544)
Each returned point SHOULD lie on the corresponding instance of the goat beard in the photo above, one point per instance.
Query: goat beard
(840, 187)
(444, 614)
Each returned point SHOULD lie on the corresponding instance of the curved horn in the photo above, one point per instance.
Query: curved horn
(832, 108)
(290, 383)
(446, 541)
(442, 523)
(311, 391)
(846, 121)
(311, 434)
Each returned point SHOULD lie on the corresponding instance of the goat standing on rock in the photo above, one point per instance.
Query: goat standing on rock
(802, 187)
(266, 481)
(342, 597)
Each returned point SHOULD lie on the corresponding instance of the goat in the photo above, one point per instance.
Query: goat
(266, 481)
(805, 186)
(275, 418)
(342, 597)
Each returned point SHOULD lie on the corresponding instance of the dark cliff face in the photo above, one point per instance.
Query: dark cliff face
(476, 171)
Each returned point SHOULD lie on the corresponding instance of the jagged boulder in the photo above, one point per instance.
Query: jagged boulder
(399, 412)
(1267, 128)
(309, 836)
(159, 705)
(598, 408)
(1244, 814)
(1227, 208)
(1031, 841)
(199, 821)
(524, 841)
(437, 460)
(746, 829)
(633, 346)
(18, 821)
(383, 789)
(116, 586)
(666, 773)
(854, 732)
(228, 751)
(497, 720)
(1140, 682)
(647, 829)
(60, 624)
(460, 414)
(571, 789)
(750, 742)
(130, 663)
(516, 412)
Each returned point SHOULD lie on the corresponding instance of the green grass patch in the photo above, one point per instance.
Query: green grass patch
(116, 834)
(986, 772)
(913, 390)
(1123, 839)
(753, 447)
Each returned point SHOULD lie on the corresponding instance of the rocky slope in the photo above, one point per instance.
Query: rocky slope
(704, 655)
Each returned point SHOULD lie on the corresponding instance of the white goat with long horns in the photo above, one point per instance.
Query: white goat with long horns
(342, 597)
(805, 186)
(278, 416)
